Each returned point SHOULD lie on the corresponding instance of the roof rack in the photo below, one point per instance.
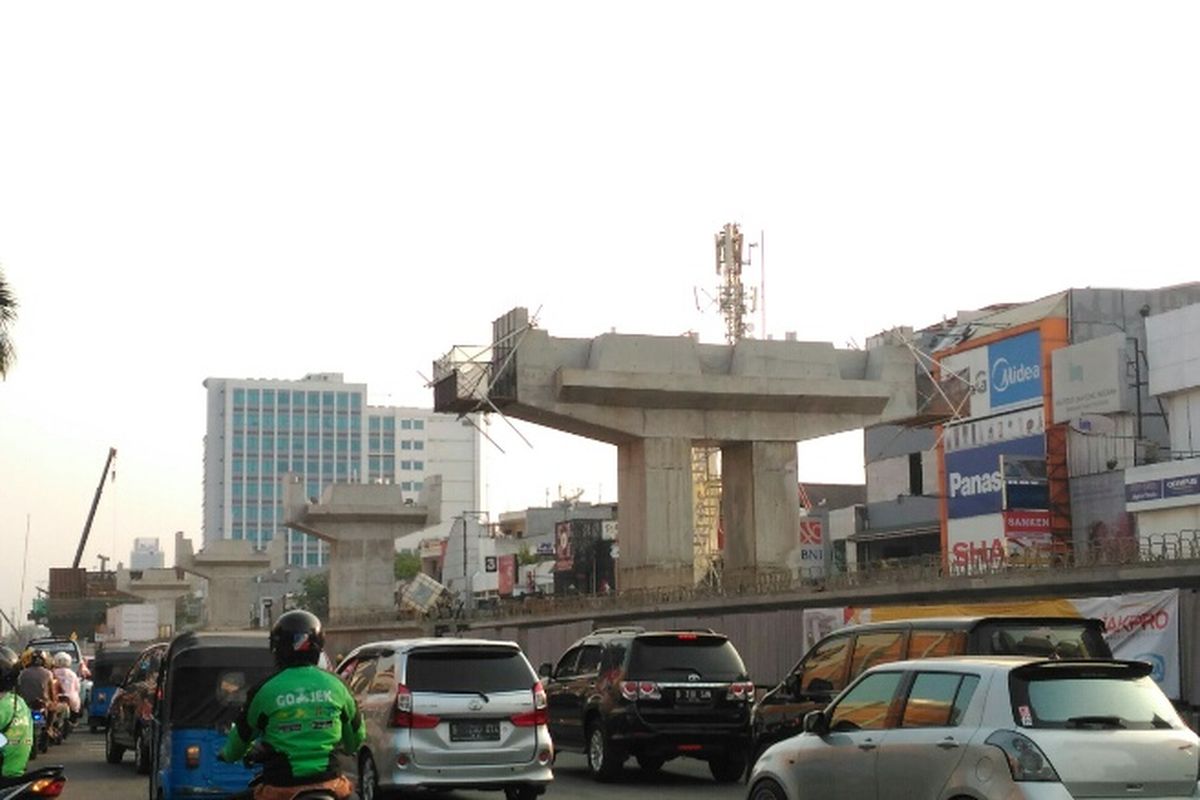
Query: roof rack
(620, 629)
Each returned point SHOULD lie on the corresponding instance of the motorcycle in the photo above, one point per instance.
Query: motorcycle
(256, 756)
(41, 736)
(45, 782)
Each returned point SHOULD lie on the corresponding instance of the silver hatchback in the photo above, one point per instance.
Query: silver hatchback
(447, 714)
(988, 729)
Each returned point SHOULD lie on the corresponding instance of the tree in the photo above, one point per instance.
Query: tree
(407, 565)
(314, 594)
(8, 315)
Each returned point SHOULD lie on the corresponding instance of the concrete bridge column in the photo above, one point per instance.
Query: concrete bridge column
(654, 482)
(760, 507)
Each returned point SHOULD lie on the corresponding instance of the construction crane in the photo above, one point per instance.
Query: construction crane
(87, 526)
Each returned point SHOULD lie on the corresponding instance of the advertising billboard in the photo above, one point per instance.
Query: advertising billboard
(974, 483)
(811, 544)
(1002, 376)
(1089, 378)
(981, 432)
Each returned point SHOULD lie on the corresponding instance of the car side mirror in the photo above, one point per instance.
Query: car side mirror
(816, 722)
(546, 670)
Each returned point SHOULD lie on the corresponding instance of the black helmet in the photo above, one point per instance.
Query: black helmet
(297, 639)
(37, 659)
(10, 668)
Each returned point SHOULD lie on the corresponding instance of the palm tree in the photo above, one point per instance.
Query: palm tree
(8, 315)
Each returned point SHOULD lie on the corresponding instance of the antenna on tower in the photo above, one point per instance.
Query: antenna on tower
(734, 299)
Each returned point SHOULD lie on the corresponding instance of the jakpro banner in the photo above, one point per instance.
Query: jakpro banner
(1142, 627)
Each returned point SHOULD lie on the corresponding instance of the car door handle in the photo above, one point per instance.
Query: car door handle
(867, 744)
(948, 743)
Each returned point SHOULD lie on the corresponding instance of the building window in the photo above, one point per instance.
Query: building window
(418, 445)
(418, 424)
(405, 465)
(327, 399)
(343, 401)
(284, 395)
(389, 443)
(356, 447)
(356, 423)
(374, 424)
(375, 464)
(419, 465)
(239, 398)
(407, 486)
(252, 444)
(238, 490)
(389, 423)
(239, 420)
(356, 402)
(237, 532)
(238, 467)
(389, 466)
(239, 443)
(343, 423)
(418, 485)
(252, 398)
(916, 477)
(406, 444)
(406, 424)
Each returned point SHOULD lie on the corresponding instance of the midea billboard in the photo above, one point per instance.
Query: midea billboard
(1003, 376)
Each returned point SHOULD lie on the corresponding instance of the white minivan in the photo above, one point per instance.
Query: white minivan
(449, 714)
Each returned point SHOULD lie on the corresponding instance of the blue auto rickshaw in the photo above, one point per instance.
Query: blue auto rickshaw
(108, 672)
(203, 683)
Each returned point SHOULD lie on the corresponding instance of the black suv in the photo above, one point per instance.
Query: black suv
(621, 692)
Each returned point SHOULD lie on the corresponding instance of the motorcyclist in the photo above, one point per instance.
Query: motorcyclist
(300, 715)
(68, 682)
(16, 723)
(36, 686)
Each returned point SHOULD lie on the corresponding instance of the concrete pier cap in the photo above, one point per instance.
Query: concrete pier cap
(656, 397)
(361, 522)
(230, 567)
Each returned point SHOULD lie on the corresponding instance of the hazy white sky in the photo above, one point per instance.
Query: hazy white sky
(268, 189)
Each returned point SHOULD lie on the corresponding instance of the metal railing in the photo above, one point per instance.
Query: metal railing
(1146, 551)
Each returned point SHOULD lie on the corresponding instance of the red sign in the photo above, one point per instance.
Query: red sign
(810, 531)
(564, 556)
(507, 575)
(1026, 522)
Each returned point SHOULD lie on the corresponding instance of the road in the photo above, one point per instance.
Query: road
(89, 776)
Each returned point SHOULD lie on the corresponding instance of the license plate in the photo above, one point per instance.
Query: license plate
(475, 731)
(693, 696)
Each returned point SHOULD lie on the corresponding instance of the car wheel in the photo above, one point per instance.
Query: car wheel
(141, 753)
(767, 790)
(727, 768)
(113, 752)
(368, 778)
(521, 793)
(650, 763)
(603, 760)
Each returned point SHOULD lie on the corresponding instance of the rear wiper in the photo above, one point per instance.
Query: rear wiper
(1107, 722)
(486, 699)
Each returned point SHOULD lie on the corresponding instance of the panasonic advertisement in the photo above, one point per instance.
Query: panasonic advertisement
(974, 483)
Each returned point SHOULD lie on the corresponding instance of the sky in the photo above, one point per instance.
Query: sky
(269, 189)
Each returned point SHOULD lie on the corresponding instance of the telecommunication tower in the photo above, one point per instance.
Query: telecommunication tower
(736, 302)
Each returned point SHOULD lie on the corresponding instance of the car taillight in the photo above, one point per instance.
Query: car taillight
(741, 691)
(648, 690)
(192, 756)
(402, 712)
(688, 637)
(1026, 760)
(540, 714)
(629, 690)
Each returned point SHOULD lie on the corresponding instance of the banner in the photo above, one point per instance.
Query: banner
(1139, 627)
(811, 544)
(564, 554)
(507, 576)
(1142, 627)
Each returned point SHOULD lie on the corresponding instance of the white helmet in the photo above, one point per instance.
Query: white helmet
(62, 660)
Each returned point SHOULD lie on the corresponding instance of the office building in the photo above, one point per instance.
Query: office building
(320, 428)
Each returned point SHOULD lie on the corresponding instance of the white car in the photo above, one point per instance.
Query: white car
(988, 728)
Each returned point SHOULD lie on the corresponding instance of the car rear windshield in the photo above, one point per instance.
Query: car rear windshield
(468, 669)
(110, 672)
(1073, 696)
(1051, 640)
(685, 657)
